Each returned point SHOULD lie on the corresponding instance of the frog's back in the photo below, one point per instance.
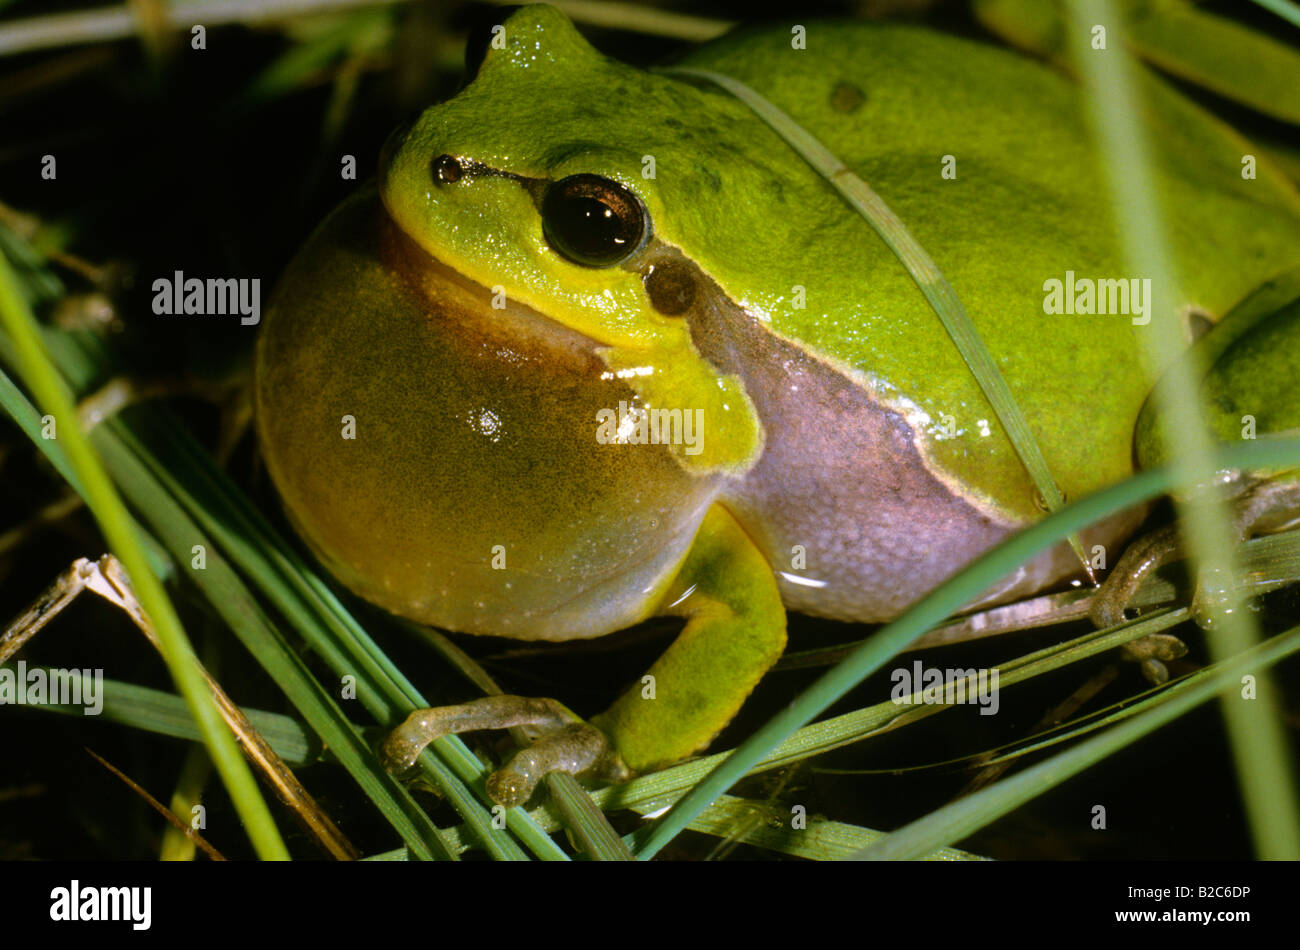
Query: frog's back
(858, 467)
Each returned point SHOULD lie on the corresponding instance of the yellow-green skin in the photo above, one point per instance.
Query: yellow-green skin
(475, 494)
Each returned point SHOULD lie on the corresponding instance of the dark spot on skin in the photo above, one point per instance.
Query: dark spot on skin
(671, 288)
(714, 180)
(847, 98)
(1199, 323)
(1226, 404)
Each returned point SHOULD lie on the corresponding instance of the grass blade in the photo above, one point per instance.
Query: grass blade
(119, 530)
(955, 821)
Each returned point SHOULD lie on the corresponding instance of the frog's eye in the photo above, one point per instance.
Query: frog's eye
(593, 221)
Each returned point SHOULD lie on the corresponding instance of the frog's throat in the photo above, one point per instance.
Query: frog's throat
(477, 440)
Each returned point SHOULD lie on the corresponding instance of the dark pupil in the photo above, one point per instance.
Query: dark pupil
(592, 220)
(591, 226)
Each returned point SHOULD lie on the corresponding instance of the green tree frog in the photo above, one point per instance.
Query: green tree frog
(599, 346)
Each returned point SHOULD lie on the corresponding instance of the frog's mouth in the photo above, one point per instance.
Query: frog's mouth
(515, 328)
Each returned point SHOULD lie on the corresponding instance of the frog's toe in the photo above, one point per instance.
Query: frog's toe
(400, 749)
(1156, 673)
(577, 749)
(1153, 652)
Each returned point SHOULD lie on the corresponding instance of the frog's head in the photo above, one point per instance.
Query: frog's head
(444, 380)
(564, 180)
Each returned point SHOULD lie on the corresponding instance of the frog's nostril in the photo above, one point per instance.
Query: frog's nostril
(446, 169)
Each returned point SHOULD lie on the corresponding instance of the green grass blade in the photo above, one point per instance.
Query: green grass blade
(1100, 719)
(1286, 10)
(102, 499)
(765, 826)
(153, 710)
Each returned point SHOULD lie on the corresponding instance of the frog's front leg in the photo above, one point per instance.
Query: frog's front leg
(735, 631)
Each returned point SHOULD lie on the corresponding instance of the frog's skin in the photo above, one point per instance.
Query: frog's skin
(476, 496)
